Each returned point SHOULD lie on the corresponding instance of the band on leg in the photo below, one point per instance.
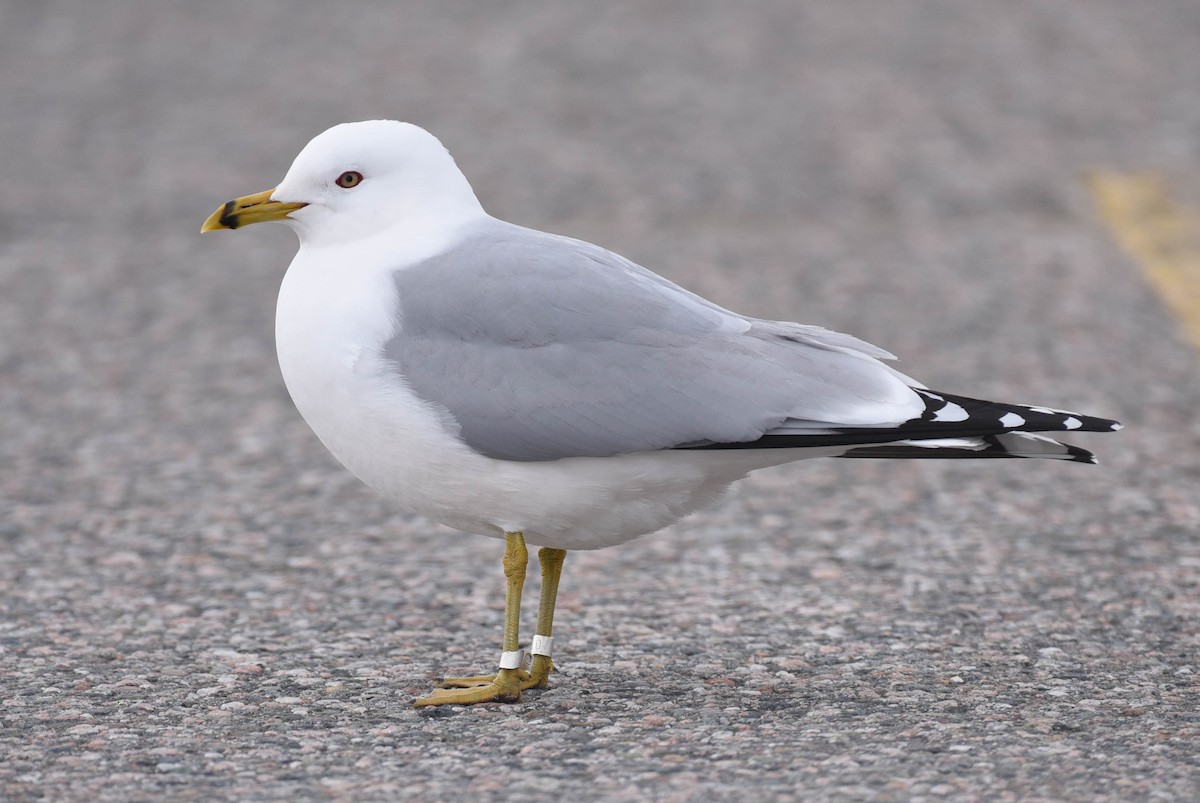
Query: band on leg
(512, 659)
(542, 645)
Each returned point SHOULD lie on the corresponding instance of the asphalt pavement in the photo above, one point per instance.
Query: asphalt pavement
(198, 603)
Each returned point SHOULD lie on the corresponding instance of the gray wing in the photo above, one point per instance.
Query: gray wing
(542, 347)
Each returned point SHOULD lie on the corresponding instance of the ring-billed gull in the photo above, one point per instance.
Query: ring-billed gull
(518, 384)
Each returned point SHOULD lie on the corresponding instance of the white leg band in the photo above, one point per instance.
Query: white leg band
(542, 645)
(512, 659)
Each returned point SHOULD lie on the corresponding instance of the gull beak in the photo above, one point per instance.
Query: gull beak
(249, 209)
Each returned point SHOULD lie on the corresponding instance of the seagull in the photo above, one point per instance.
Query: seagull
(526, 386)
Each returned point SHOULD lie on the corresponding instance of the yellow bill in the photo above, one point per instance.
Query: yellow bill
(249, 209)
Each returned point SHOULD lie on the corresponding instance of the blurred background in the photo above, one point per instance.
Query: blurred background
(1002, 193)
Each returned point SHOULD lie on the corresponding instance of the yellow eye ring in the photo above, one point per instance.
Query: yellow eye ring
(351, 178)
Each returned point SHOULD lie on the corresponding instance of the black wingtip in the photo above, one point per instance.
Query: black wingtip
(1078, 455)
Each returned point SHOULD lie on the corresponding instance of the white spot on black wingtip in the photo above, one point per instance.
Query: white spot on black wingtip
(951, 412)
(1117, 426)
(1071, 422)
(1011, 420)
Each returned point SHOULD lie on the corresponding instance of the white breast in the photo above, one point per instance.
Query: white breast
(329, 328)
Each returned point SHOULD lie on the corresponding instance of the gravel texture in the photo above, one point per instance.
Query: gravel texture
(199, 604)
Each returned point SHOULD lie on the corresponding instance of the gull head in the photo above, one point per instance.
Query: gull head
(360, 180)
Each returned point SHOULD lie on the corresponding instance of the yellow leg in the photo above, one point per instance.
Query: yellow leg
(506, 685)
(552, 563)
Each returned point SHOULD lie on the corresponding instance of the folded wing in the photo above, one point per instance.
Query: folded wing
(542, 347)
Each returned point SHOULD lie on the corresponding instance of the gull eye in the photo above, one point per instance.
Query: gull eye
(351, 178)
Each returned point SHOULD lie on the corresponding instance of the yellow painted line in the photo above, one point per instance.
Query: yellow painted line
(1161, 234)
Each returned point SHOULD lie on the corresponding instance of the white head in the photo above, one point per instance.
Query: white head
(357, 180)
